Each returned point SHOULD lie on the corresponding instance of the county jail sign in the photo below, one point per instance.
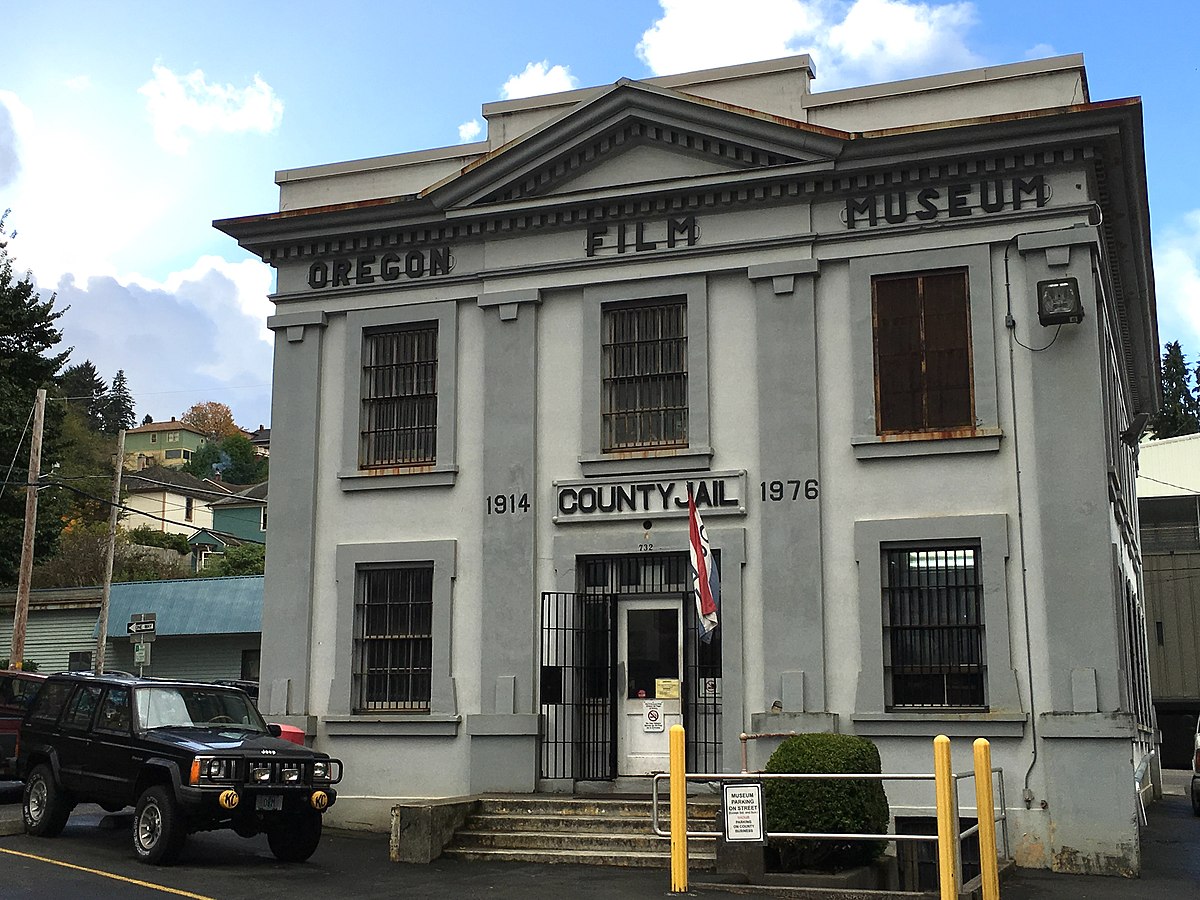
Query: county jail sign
(656, 497)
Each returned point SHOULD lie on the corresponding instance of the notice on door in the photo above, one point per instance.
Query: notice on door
(652, 716)
(744, 813)
(666, 688)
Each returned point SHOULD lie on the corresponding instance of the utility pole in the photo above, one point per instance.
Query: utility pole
(102, 638)
(16, 658)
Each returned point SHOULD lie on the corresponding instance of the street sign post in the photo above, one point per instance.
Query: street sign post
(142, 629)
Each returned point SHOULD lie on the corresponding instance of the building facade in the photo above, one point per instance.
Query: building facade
(1168, 489)
(161, 444)
(893, 340)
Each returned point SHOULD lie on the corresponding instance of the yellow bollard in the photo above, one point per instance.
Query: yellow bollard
(947, 817)
(679, 879)
(985, 807)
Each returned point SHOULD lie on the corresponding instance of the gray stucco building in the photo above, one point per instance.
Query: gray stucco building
(898, 339)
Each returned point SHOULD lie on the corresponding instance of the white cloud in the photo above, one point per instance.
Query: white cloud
(11, 110)
(537, 79)
(185, 104)
(859, 42)
(1177, 281)
(469, 131)
(198, 335)
(1041, 51)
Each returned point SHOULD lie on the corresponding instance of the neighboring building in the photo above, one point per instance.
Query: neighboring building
(261, 439)
(208, 543)
(168, 500)
(244, 514)
(161, 444)
(1168, 489)
(207, 628)
(60, 630)
(895, 337)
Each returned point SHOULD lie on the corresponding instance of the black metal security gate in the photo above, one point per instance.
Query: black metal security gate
(578, 667)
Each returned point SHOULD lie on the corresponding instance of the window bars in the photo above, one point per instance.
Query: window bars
(644, 376)
(399, 397)
(933, 627)
(393, 639)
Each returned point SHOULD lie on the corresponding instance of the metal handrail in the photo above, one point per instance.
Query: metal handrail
(743, 777)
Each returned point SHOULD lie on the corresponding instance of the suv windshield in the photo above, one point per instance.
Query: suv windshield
(198, 707)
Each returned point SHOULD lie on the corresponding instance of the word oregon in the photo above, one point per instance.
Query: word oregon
(988, 196)
(345, 271)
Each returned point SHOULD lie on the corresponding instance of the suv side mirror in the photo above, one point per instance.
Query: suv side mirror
(274, 730)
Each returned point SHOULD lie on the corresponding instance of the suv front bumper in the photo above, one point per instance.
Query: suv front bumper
(211, 801)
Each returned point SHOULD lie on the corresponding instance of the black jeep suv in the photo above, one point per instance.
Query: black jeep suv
(189, 757)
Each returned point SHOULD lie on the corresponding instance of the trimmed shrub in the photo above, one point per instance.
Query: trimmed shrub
(820, 805)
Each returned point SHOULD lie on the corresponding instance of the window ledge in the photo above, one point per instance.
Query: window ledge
(647, 461)
(435, 725)
(951, 724)
(873, 446)
(436, 476)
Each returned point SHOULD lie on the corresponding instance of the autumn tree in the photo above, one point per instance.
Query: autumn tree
(213, 418)
(1180, 411)
(29, 334)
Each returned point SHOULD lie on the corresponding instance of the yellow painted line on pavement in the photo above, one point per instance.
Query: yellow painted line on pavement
(146, 884)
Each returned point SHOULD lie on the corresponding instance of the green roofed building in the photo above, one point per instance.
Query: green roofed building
(205, 628)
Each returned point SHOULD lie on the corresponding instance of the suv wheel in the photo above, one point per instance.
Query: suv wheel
(294, 837)
(1196, 800)
(158, 827)
(45, 806)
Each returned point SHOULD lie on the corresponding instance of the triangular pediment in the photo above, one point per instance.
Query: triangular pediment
(635, 134)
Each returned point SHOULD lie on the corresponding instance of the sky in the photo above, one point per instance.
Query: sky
(127, 128)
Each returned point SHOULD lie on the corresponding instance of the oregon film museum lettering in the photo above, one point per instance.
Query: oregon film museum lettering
(344, 271)
(587, 500)
(990, 195)
(641, 236)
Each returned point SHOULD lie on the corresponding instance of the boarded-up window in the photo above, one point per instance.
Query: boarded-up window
(644, 389)
(399, 397)
(393, 639)
(922, 353)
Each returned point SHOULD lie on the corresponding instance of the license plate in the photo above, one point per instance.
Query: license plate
(269, 802)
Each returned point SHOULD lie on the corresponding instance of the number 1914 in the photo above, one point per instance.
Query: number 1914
(501, 504)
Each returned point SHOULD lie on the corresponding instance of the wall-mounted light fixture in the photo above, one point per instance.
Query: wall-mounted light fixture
(1058, 301)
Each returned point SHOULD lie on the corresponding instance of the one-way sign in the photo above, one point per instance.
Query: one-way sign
(141, 627)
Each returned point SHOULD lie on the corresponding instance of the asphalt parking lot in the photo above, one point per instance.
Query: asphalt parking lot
(93, 858)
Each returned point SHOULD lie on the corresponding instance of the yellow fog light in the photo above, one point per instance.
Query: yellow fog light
(228, 799)
(319, 800)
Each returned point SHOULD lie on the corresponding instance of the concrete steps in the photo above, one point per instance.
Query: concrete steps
(582, 831)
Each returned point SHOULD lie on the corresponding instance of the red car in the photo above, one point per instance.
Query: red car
(17, 690)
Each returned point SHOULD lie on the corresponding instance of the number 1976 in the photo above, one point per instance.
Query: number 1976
(776, 491)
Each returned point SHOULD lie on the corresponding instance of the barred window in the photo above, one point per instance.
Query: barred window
(923, 379)
(933, 636)
(399, 397)
(644, 375)
(393, 639)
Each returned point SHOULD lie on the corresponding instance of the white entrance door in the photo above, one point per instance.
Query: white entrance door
(650, 663)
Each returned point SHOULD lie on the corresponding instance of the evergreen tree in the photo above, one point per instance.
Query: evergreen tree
(244, 465)
(1180, 412)
(118, 411)
(28, 334)
(84, 390)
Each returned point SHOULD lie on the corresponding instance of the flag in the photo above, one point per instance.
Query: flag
(706, 582)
